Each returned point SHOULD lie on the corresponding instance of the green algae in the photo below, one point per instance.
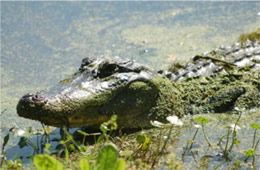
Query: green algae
(169, 101)
(66, 81)
(253, 36)
(174, 67)
(209, 94)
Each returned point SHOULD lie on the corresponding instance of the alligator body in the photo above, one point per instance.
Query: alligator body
(216, 81)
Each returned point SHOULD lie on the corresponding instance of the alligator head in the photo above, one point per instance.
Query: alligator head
(103, 87)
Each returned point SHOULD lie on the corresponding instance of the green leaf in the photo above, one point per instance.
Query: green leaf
(109, 125)
(113, 123)
(255, 126)
(107, 157)
(144, 140)
(140, 138)
(201, 120)
(103, 128)
(249, 152)
(84, 165)
(237, 141)
(46, 162)
(62, 142)
(120, 164)
(69, 137)
(146, 144)
(72, 147)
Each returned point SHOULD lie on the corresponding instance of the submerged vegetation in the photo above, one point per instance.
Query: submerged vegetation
(142, 150)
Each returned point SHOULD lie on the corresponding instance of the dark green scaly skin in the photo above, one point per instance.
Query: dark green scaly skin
(217, 81)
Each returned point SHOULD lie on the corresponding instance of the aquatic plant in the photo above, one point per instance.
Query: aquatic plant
(194, 136)
(173, 121)
(202, 120)
(231, 129)
(251, 152)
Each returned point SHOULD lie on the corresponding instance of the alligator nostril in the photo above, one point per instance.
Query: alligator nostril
(37, 98)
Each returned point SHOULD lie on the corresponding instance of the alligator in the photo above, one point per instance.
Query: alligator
(223, 80)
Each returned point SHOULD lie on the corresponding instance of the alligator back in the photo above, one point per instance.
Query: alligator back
(222, 59)
(220, 80)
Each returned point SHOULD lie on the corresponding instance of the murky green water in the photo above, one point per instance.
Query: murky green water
(43, 42)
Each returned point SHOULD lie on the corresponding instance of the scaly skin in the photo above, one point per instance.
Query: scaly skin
(217, 81)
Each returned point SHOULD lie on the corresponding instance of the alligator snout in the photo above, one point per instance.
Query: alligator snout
(29, 105)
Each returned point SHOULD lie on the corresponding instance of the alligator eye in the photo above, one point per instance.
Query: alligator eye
(85, 62)
(107, 69)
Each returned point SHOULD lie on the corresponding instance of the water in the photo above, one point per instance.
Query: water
(43, 42)
(216, 128)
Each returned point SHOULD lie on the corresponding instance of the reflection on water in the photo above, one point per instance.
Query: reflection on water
(43, 42)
